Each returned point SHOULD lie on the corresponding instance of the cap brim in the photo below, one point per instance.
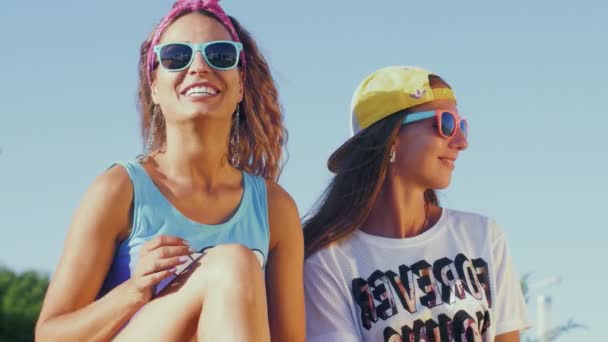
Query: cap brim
(339, 157)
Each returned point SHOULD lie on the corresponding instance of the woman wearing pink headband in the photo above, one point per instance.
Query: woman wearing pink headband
(194, 240)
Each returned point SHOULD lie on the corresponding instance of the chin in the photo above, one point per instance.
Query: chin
(440, 184)
(199, 114)
(439, 187)
(196, 114)
(209, 112)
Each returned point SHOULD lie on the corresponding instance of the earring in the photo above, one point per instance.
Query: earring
(393, 157)
(234, 139)
(156, 112)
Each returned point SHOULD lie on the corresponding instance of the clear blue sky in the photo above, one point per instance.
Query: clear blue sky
(530, 77)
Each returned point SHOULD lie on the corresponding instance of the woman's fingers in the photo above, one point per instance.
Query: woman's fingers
(164, 264)
(162, 240)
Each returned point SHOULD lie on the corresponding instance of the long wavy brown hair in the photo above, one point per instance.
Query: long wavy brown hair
(360, 171)
(262, 133)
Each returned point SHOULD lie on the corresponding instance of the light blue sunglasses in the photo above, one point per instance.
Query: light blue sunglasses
(219, 54)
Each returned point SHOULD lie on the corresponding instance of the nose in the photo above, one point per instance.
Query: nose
(459, 141)
(199, 64)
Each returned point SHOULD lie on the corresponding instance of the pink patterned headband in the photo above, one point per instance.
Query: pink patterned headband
(211, 6)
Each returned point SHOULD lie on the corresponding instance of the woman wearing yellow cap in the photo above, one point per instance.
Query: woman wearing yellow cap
(384, 262)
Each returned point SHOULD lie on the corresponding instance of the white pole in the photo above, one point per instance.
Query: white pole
(543, 318)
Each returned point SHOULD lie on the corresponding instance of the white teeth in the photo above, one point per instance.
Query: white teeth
(201, 91)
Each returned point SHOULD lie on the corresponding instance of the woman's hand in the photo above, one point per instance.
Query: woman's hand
(158, 260)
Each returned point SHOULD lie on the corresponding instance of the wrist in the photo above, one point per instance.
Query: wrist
(133, 295)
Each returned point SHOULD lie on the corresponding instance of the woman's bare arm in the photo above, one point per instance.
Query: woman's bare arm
(70, 312)
(285, 289)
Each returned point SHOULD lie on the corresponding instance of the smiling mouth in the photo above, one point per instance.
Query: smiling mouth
(448, 162)
(201, 91)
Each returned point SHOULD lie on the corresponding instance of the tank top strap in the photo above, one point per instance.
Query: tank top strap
(146, 198)
(257, 198)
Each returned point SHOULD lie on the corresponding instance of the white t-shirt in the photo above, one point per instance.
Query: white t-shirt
(454, 282)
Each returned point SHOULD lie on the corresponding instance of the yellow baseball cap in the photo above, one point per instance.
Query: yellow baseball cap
(385, 92)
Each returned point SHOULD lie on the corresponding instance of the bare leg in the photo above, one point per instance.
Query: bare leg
(223, 299)
(234, 304)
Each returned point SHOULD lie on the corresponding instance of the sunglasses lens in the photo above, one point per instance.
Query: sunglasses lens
(464, 127)
(221, 55)
(448, 124)
(175, 56)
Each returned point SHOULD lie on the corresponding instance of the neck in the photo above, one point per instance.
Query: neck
(399, 212)
(197, 152)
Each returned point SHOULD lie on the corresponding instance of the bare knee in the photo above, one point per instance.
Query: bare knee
(230, 269)
(236, 252)
(231, 263)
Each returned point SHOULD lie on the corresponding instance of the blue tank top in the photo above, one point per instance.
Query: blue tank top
(154, 215)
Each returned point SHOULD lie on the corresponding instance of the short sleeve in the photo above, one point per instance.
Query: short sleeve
(510, 310)
(328, 315)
